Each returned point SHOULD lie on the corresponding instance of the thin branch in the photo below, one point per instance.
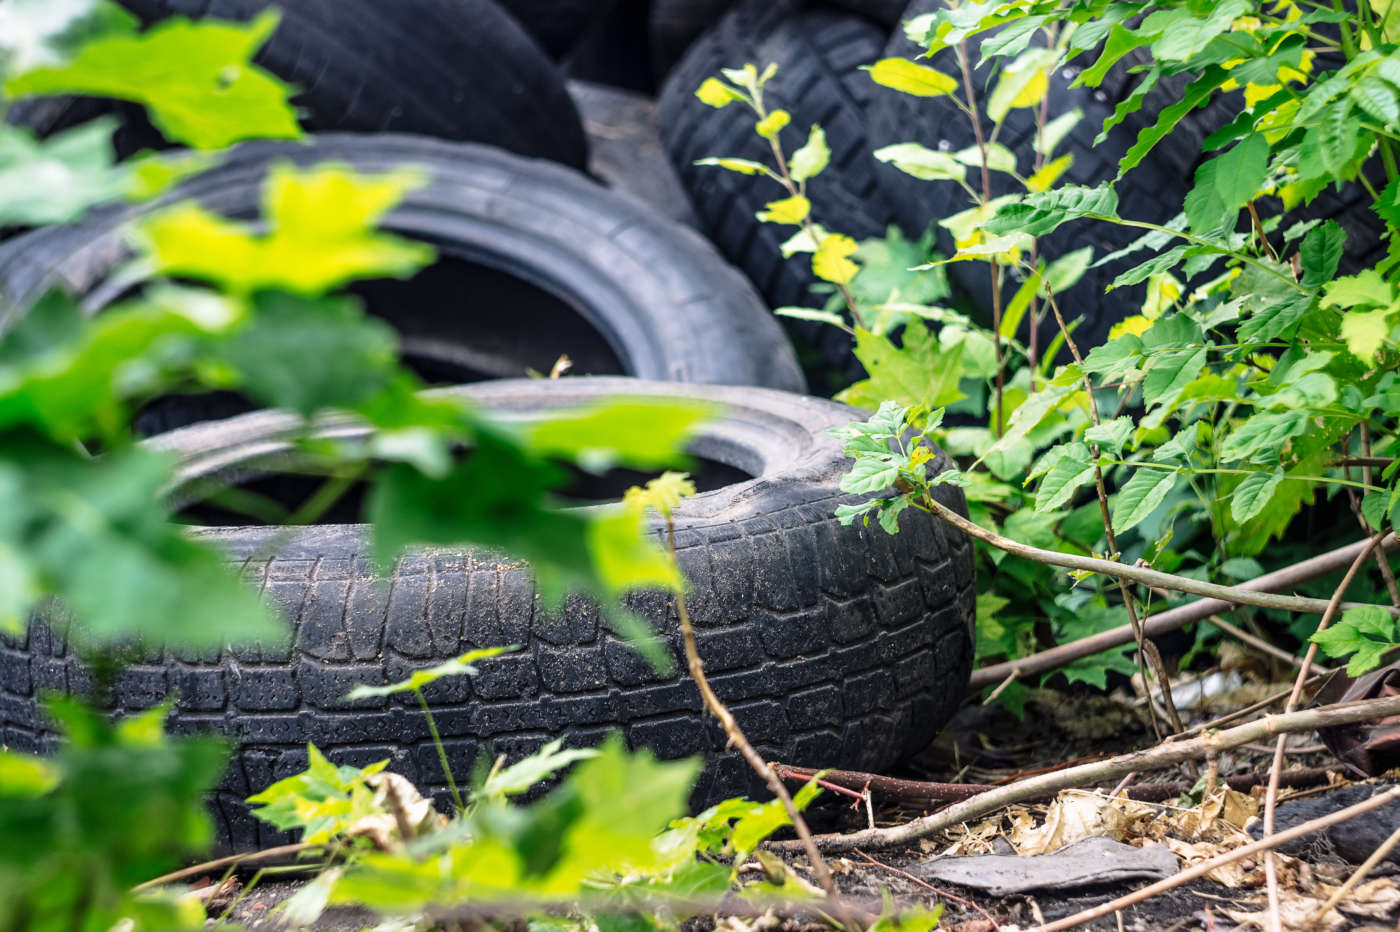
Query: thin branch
(1160, 757)
(232, 860)
(1357, 876)
(937, 891)
(1260, 644)
(1178, 617)
(1266, 844)
(1271, 796)
(736, 737)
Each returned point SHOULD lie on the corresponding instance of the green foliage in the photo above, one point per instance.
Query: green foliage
(1368, 633)
(219, 98)
(71, 856)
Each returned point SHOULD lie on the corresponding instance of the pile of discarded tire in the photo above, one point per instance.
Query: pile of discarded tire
(835, 646)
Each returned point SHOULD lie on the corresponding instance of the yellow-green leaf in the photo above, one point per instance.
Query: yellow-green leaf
(1364, 332)
(1049, 173)
(717, 94)
(1023, 83)
(742, 166)
(911, 77)
(321, 234)
(788, 210)
(772, 124)
(196, 79)
(830, 261)
(808, 161)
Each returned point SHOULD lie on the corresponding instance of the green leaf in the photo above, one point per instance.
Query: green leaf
(639, 433)
(1260, 439)
(1181, 35)
(1275, 319)
(812, 314)
(34, 33)
(523, 775)
(1365, 332)
(1168, 373)
(309, 355)
(1056, 130)
(1226, 183)
(809, 161)
(103, 546)
(1111, 435)
(322, 234)
(1253, 494)
(1197, 93)
(910, 77)
(1066, 271)
(196, 79)
(57, 179)
(1377, 99)
(1023, 83)
(1140, 496)
(322, 801)
(462, 665)
(922, 162)
(1042, 213)
(1116, 357)
(999, 158)
(1368, 632)
(1071, 472)
(920, 372)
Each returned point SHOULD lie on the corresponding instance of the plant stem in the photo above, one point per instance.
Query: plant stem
(1259, 644)
(736, 736)
(998, 421)
(1271, 796)
(232, 860)
(441, 751)
(1231, 594)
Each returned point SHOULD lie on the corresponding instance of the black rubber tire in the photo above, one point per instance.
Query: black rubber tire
(834, 646)
(675, 24)
(1153, 191)
(632, 292)
(819, 53)
(454, 69)
(556, 25)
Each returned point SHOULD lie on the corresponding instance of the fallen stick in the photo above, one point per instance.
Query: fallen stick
(1205, 867)
(922, 793)
(1170, 620)
(1155, 758)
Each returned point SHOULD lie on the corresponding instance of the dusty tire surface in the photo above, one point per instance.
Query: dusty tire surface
(1153, 191)
(819, 53)
(637, 293)
(835, 646)
(453, 69)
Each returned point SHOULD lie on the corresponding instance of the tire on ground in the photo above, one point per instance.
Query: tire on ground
(556, 25)
(1153, 191)
(819, 54)
(834, 646)
(453, 69)
(535, 261)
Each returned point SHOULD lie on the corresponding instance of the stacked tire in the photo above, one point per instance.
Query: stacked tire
(835, 645)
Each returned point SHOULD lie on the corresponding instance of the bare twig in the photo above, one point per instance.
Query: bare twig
(1265, 844)
(736, 737)
(1357, 876)
(233, 860)
(923, 793)
(1275, 916)
(1260, 644)
(1160, 757)
(1179, 617)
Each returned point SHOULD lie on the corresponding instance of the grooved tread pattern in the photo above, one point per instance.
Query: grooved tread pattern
(666, 302)
(834, 646)
(1153, 191)
(819, 54)
(454, 69)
